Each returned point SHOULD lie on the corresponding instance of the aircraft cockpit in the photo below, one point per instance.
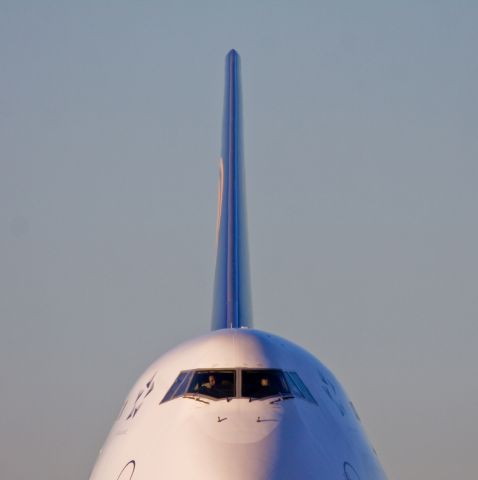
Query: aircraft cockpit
(254, 384)
(213, 383)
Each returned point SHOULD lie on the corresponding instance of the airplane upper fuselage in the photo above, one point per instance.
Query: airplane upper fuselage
(279, 436)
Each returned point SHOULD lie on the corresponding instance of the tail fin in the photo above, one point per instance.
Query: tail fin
(232, 297)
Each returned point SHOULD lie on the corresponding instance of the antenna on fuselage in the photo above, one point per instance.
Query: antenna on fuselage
(232, 295)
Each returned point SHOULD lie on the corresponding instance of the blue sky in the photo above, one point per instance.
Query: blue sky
(361, 157)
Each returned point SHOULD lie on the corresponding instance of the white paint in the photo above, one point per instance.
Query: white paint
(183, 439)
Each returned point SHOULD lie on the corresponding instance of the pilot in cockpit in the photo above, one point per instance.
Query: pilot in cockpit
(264, 388)
(208, 386)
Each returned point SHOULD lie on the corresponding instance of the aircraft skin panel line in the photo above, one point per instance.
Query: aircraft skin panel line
(232, 297)
(236, 403)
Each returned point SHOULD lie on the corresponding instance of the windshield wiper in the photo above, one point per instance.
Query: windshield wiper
(197, 398)
(282, 398)
(279, 399)
(228, 399)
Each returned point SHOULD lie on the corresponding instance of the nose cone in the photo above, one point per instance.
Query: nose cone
(241, 440)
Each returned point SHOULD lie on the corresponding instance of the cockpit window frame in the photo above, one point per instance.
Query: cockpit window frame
(268, 372)
(296, 388)
(183, 387)
(179, 386)
(298, 383)
(211, 372)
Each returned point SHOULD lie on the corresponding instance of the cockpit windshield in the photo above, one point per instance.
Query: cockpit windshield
(254, 384)
(263, 383)
(213, 383)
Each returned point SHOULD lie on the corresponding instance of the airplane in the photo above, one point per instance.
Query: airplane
(236, 403)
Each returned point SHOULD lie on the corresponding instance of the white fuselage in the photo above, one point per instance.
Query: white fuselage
(274, 438)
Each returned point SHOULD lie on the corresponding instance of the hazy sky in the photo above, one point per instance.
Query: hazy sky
(361, 150)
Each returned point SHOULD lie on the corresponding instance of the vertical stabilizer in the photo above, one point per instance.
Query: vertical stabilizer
(232, 298)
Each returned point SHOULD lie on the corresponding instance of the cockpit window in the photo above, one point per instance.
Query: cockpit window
(254, 384)
(178, 388)
(298, 387)
(214, 383)
(263, 383)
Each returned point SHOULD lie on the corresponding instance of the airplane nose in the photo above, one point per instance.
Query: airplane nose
(262, 444)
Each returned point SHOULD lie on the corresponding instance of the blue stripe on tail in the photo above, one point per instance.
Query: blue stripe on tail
(232, 297)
